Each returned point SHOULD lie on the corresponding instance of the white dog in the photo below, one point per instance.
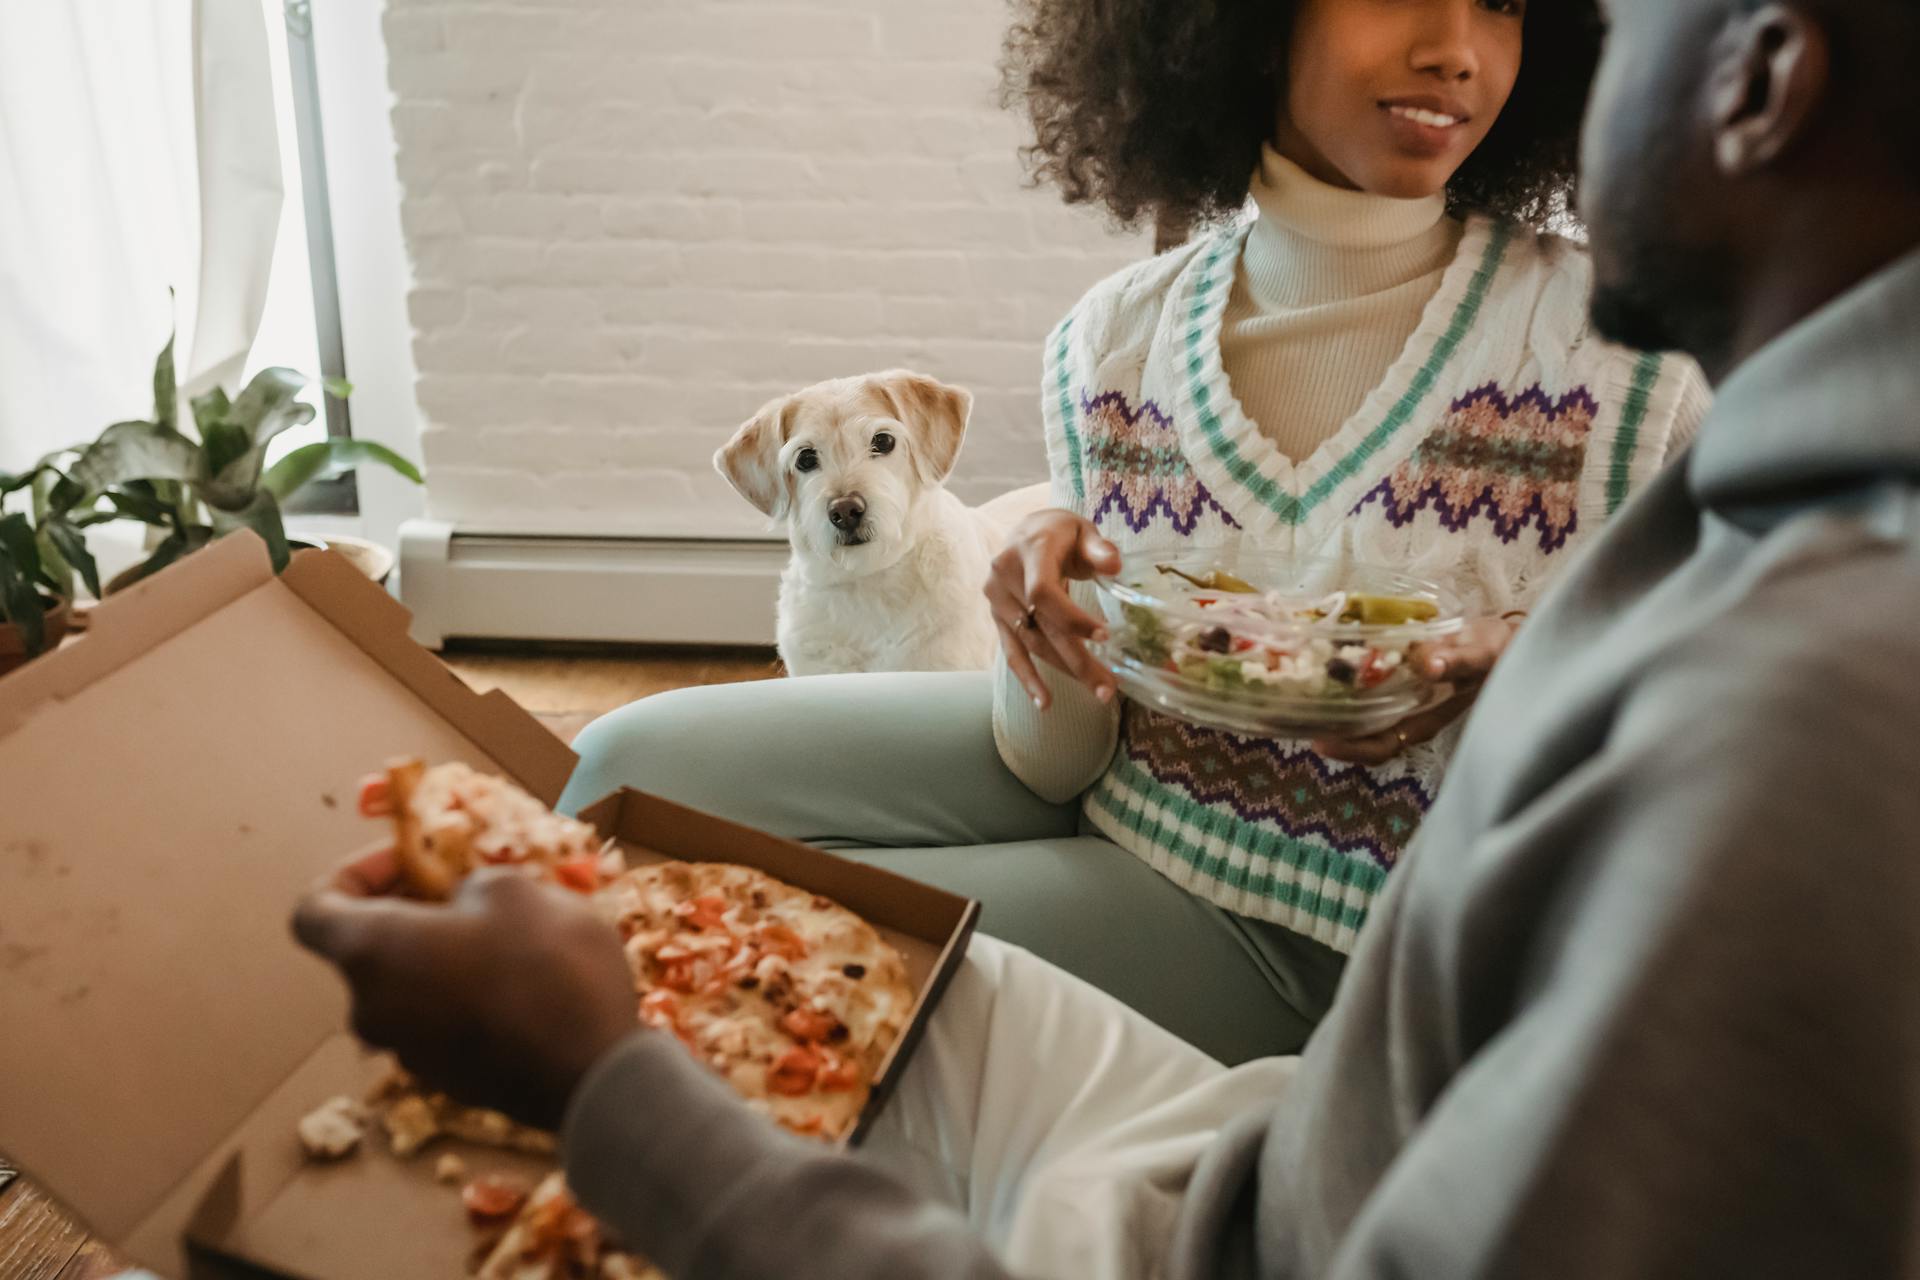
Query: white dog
(887, 566)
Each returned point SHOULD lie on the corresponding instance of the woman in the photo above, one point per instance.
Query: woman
(1391, 363)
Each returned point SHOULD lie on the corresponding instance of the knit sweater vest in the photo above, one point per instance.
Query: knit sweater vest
(1501, 437)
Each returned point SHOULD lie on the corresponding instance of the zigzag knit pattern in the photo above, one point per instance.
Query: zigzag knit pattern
(1286, 784)
(1138, 468)
(1509, 462)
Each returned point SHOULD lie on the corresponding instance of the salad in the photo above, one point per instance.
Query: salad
(1276, 644)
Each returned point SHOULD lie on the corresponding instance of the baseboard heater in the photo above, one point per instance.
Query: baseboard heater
(632, 590)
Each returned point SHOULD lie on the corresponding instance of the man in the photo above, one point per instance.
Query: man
(1642, 1001)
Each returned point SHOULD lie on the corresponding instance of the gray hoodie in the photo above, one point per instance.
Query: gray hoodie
(1644, 999)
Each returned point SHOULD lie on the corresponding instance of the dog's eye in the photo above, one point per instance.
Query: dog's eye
(883, 444)
(806, 460)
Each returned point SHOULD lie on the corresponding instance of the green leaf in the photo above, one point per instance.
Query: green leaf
(10, 483)
(56, 494)
(171, 548)
(262, 516)
(175, 545)
(135, 505)
(66, 495)
(222, 446)
(21, 605)
(327, 458)
(129, 451)
(18, 546)
(166, 391)
(338, 388)
(271, 404)
(237, 484)
(56, 575)
(211, 408)
(72, 545)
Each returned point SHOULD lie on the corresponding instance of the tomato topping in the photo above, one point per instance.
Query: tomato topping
(376, 796)
(704, 912)
(1241, 644)
(677, 974)
(807, 1127)
(582, 874)
(809, 1024)
(794, 1073)
(1374, 671)
(838, 1077)
(659, 1008)
(781, 940)
(491, 1198)
(1203, 601)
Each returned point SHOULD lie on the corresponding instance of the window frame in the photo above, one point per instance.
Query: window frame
(338, 495)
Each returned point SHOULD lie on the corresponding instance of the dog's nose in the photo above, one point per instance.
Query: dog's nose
(845, 513)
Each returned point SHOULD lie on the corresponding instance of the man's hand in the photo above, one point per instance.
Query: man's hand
(1456, 666)
(504, 998)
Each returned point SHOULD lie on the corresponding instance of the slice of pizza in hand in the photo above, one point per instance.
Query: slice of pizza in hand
(451, 820)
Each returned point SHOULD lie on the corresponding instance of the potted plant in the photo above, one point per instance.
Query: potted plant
(42, 551)
(190, 490)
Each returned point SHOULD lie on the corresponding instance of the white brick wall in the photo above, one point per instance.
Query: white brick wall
(633, 221)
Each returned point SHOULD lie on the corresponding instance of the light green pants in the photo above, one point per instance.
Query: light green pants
(901, 771)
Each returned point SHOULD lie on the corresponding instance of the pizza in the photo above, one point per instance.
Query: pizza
(451, 820)
(790, 997)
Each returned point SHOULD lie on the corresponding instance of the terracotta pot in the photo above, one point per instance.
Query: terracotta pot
(369, 558)
(13, 645)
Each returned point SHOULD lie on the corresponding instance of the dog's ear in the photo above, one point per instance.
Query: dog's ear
(935, 412)
(751, 460)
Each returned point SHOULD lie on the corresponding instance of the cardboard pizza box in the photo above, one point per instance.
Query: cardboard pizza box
(168, 787)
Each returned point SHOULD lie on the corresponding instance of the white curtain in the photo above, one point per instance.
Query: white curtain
(138, 153)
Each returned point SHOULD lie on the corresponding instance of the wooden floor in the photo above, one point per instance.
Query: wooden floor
(566, 689)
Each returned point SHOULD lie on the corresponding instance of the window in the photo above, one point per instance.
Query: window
(300, 328)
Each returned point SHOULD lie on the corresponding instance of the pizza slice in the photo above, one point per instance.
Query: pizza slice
(790, 997)
(552, 1238)
(451, 820)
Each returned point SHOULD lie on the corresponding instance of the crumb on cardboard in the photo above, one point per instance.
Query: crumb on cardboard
(333, 1130)
(450, 1169)
(410, 1125)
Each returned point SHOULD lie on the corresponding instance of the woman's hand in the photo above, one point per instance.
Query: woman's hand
(1027, 592)
(1456, 666)
(504, 997)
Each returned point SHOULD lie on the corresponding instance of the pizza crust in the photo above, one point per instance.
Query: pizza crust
(451, 820)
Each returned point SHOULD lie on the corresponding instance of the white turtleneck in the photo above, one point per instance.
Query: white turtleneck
(1329, 289)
